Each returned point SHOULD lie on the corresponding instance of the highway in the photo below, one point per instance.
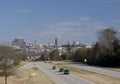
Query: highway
(55, 75)
(99, 70)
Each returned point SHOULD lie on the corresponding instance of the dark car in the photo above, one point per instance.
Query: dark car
(61, 69)
(66, 71)
(54, 67)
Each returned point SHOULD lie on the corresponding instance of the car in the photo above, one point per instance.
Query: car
(54, 67)
(66, 71)
(61, 69)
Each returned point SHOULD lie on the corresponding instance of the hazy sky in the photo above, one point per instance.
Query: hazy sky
(73, 20)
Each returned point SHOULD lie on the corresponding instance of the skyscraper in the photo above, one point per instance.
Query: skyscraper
(57, 42)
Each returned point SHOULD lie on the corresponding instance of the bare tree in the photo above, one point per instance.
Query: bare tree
(107, 36)
(5, 55)
(8, 59)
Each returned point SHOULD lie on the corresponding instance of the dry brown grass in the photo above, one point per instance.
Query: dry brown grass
(22, 63)
(29, 76)
(92, 76)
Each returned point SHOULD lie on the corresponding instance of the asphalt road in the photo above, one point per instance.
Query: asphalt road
(57, 77)
(99, 70)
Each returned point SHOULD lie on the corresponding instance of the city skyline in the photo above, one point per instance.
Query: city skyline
(44, 19)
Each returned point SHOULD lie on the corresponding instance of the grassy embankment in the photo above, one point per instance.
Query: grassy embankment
(28, 76)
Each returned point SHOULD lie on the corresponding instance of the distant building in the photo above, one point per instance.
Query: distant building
(19, 42)
(75, 44)
(35, 47)
(57, 41)
(88, 46)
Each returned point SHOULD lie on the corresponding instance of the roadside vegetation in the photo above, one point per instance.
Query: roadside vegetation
(105, 52)
(28, 76)
(9, 59)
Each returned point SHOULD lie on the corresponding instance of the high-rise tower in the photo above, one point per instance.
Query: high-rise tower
(57, 41)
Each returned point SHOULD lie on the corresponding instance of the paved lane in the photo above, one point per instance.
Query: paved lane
(60, 78)
(57, 77)
(99, 70)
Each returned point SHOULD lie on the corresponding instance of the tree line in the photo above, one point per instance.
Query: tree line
(104, 52)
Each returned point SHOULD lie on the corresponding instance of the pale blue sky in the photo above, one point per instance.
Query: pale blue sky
(73, 20)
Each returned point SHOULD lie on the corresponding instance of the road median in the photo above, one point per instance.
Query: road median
(91, 76)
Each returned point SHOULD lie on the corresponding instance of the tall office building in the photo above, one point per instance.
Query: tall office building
(19, 42)
(57, 41)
